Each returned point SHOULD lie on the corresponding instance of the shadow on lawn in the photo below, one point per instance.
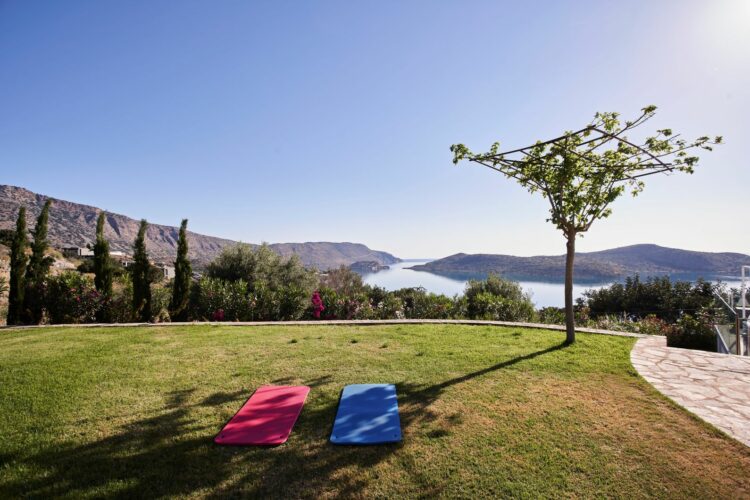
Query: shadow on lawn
(173, 454)
(415, 400)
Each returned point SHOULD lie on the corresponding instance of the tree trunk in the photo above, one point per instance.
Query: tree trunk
(570, 322)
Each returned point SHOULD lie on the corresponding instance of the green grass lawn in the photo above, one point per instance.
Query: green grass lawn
(485, 411)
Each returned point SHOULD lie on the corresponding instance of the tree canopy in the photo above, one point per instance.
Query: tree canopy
(581, 173)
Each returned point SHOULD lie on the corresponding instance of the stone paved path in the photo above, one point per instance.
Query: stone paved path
(716, 387)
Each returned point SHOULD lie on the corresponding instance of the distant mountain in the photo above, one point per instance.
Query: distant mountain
(325, 255)
(73, 224)
(603, 265)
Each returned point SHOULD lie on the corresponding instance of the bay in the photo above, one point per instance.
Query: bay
(543, 293)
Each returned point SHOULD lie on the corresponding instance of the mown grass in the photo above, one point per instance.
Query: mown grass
(485, 411)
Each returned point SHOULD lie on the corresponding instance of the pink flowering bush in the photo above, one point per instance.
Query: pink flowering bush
(72, 298)
(219, 300)
(317, 305)
(328, 304)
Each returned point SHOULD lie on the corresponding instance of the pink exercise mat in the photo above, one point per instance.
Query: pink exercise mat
(267, 418)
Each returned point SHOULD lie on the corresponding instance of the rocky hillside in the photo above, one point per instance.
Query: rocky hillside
(604, 265)
(324, 255)
(74, 224)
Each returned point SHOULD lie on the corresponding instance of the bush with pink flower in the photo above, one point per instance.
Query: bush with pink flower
(317, 305)
(72, 298)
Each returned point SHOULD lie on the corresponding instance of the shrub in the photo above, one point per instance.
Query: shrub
(336, 306)
(551, 315)
(120, 305)
(317, 305)
(376, 295)
(418, 304)
(343, 281)
(278, 302)
(495, 307)
(497, 299)
(692, 333)
(276, 288)
(327, 307)
(161, 296)
(87, 267)
(72, 298)
(6, 237)
(614, 323)
(460, 307)
(212, 295)
(656, 296)
(391, 307)
(652, 325)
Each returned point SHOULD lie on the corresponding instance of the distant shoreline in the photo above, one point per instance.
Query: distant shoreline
(603, 266)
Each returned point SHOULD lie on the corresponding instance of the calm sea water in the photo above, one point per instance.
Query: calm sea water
(542, 293)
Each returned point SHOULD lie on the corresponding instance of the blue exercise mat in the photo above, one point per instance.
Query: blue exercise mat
(368, 414)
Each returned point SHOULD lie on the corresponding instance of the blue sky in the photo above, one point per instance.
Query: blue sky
(331, 121)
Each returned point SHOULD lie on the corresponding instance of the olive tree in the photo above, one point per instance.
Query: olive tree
(581, 173)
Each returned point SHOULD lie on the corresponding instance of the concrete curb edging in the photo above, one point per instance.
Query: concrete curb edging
(355, 322)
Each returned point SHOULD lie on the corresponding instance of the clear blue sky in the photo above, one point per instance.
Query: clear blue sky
(308, 121)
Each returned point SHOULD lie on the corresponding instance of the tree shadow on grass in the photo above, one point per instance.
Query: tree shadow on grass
(415, 400)
(173, 454)
(222, 398)
(312, 383)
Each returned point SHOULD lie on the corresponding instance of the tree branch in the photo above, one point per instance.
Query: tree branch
(632, 145)
(513, 174)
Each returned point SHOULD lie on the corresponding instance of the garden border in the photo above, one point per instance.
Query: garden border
(342, 322)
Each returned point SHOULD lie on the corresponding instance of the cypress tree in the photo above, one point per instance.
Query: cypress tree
(102, 268)
(182, 276)
(38, 268)
(40, 263)
(141, 278)
(17, 270)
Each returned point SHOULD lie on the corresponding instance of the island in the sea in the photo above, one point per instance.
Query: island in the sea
(616, 263)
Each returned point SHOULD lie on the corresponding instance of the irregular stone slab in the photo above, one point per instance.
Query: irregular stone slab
(715, 387)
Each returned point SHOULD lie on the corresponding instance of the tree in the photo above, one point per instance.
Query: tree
(581, 173)
(243, 262)
(103, 269)
(18, 261)
(278, 288)
(38, 269)
(40, 263)
(6, 237)
(343, 281)
(182, 276)
(141, 277)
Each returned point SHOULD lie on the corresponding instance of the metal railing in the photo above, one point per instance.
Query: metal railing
(732, 337)
(721, 345)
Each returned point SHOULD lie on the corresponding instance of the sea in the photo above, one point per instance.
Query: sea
(543, 293)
